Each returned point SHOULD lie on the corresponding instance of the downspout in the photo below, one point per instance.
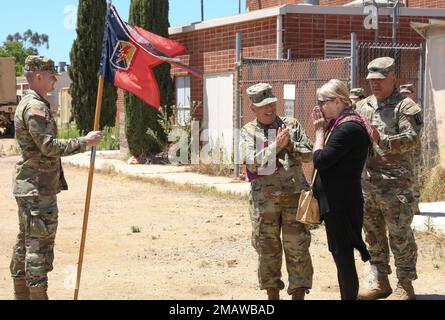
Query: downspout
(395, 21)
(279, 54)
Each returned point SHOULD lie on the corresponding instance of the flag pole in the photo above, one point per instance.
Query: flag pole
(100, 88)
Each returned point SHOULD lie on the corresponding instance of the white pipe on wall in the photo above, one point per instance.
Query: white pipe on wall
(279, 54)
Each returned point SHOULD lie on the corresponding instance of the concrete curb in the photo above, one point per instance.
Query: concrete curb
(169, 173)
(432, 214)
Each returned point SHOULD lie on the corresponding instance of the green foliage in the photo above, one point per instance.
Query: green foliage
(110, 140)
(135, 229)
(20, 46)
(85, 58)
(68, 132)
(429, 224)
(30, 39)
(145, 135)
(166, 120)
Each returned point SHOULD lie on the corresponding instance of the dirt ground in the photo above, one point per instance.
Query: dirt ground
(191, 245)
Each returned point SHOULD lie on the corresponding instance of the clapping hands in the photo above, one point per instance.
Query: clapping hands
(282, 137)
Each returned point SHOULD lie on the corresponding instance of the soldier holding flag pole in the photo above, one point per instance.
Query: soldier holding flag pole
(38, 178)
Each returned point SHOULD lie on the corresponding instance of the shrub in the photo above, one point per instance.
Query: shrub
(110, 138)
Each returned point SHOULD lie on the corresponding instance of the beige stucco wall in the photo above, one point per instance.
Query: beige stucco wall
(65, 107)
(435, 85)
(63, 81)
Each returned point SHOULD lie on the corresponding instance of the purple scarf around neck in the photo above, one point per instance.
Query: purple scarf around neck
(348, 114)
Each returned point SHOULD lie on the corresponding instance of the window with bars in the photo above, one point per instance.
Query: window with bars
(182, 100)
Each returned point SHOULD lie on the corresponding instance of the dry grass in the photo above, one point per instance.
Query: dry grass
(10, 150)
(431, 246)
(433, 185)
(111, 171)
(220, 170)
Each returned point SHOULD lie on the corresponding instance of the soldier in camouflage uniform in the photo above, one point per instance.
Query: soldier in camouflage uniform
(37, 178)
(356, 95)
(407, 90)
(273, 149)
(388, 184)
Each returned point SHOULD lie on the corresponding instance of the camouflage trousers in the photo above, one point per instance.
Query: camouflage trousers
(416, 189)
(392, 210)
(270, 218)
(33, 252)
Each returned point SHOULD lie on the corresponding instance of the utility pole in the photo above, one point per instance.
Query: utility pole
(239, 6)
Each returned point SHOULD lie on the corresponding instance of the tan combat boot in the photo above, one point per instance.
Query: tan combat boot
(38, 293)
(21, 291)
(273, 294)
(299, 294)
(377, 287)
(404, 291)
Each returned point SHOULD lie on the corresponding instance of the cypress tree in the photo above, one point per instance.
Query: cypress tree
(151, 15)
(85, 58)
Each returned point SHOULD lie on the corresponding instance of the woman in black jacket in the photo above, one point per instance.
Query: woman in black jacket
(342, 143)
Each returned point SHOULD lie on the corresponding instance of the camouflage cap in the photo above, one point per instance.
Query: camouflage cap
(260, 94)
(407, 88)
(380, 68)
(356, 93)
(39, 63)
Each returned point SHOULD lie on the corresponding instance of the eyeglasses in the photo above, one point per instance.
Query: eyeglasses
(321, 103)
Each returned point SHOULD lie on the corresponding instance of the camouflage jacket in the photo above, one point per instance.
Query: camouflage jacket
(398, 120)
(39, 170)
(275, 174)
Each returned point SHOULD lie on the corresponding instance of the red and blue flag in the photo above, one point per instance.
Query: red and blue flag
(130, 53)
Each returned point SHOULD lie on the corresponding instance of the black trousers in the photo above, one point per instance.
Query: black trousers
(347, 275)
(342, 251)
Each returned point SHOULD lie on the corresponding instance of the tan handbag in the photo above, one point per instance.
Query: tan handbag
(308, 211)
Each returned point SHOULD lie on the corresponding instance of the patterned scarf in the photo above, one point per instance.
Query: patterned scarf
(348, 114)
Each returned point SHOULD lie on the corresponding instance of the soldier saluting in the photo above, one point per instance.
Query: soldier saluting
(388, 183)
(37, 179)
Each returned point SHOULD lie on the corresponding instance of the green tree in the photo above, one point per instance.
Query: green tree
(29, 38)
(85, 58)
(20, 46)
(144, 134)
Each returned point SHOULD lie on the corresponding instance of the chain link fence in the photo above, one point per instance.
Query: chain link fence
(410, 68)
(408, 60)
(294, 83)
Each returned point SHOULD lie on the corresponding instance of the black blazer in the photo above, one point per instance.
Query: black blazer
(340, 164)
(338, 185)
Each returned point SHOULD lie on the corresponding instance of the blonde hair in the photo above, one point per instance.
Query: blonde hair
(335, 88)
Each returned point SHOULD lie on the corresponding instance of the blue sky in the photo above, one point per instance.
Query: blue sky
(57, 18)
